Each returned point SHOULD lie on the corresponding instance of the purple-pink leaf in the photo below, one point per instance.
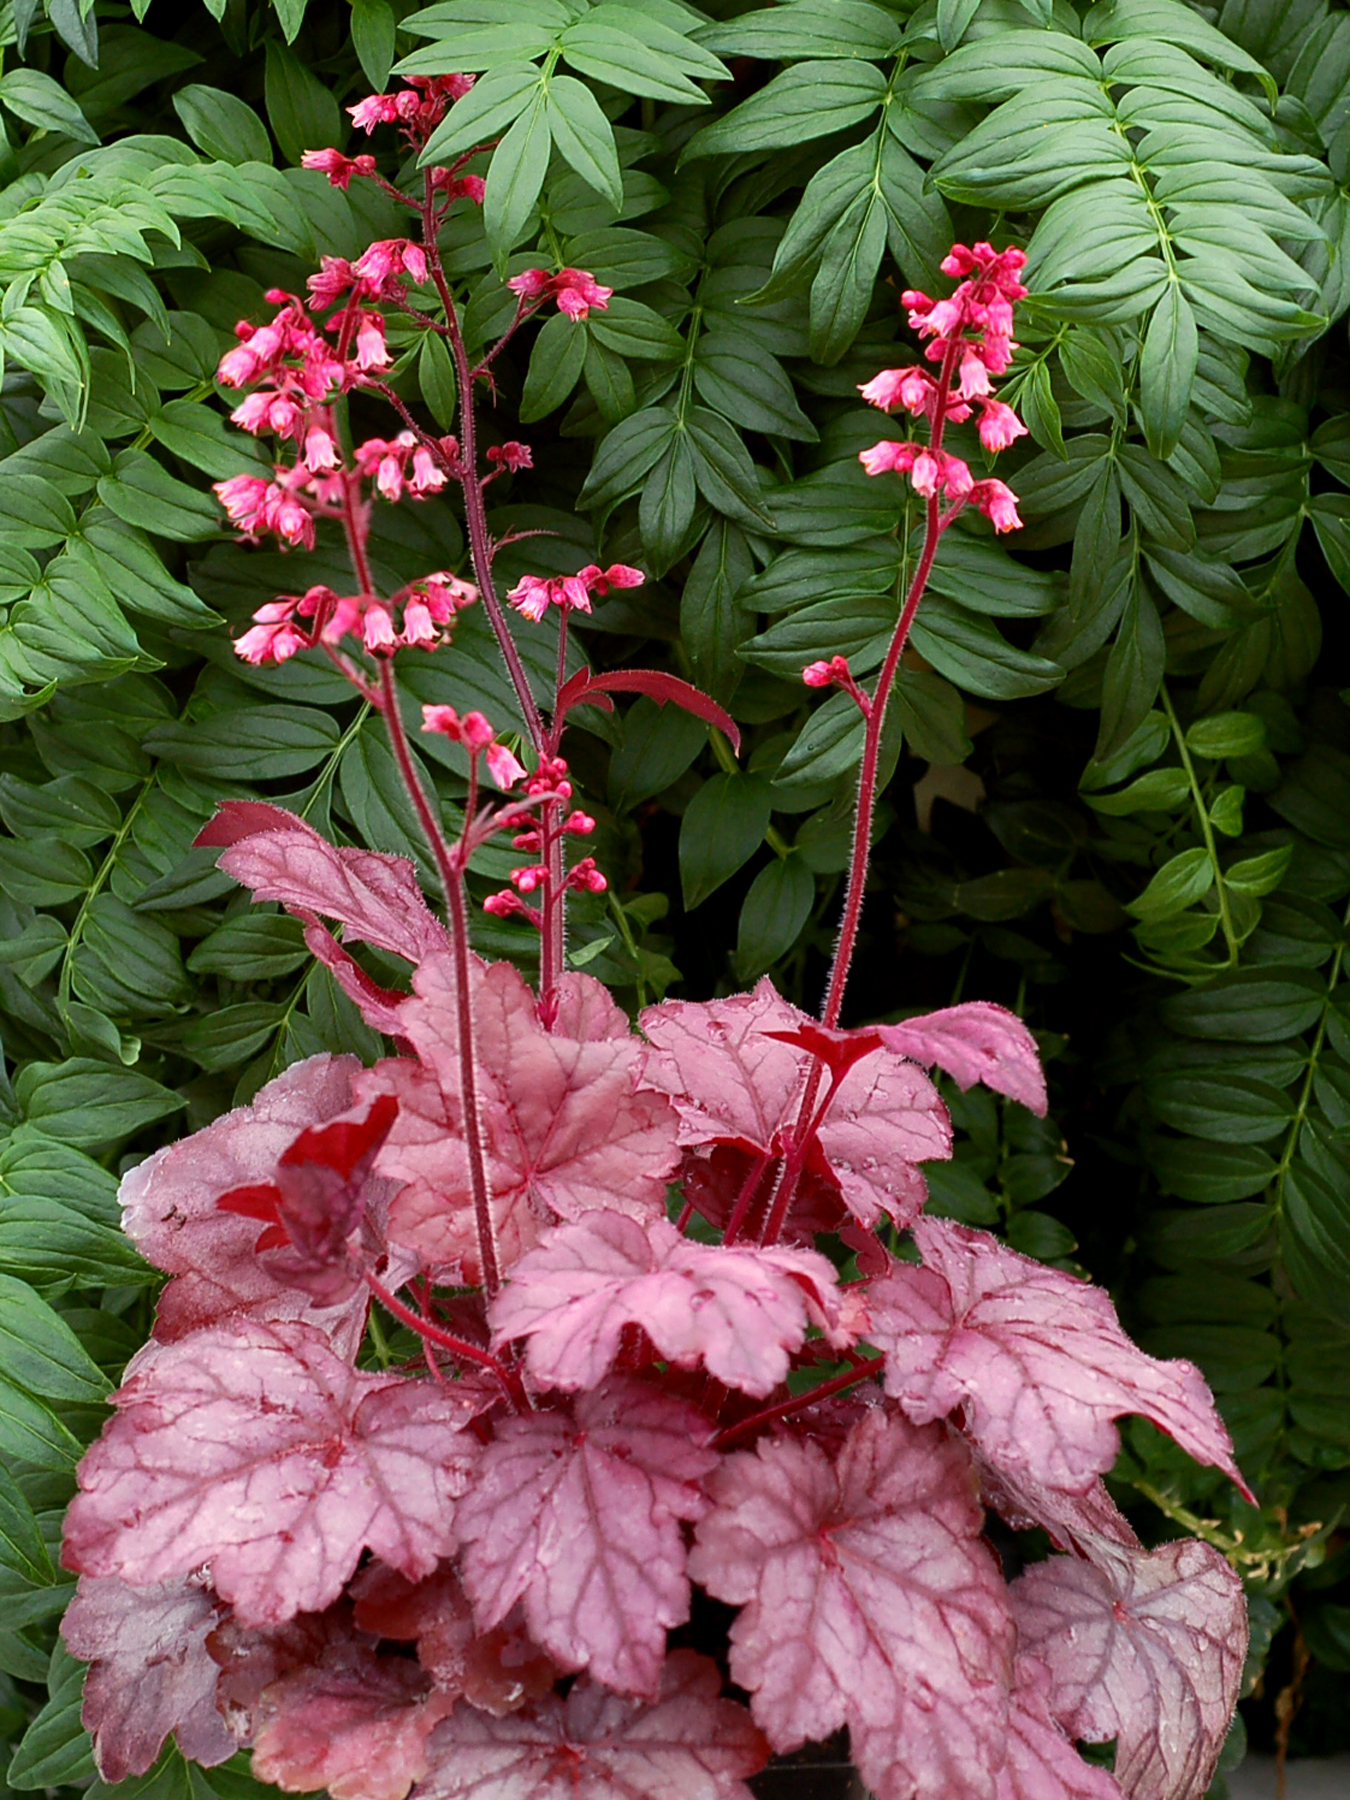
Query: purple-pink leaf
(1042, 1764)
(1074, 1521)
(736, 1070)
(869, 1600)
(565, 1129)
(374, 897)
(577, 1514)
(687, 1744)
(498, 1671)
(170, 1211)
(739, 1311)
(152, 1673)
(1145, 1648)
(976, 1041)
(355, 1723)
(254, 1449)
(1036, 1358)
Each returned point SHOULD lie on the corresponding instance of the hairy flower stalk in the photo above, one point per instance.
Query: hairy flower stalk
(970, 338)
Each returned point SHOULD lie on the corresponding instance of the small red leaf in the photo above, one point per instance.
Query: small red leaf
(1145, 1648)
(258, 1201)
(151, 1673)
(687, 1744)
(838, 1050)
(736, 1070)
(585, 687)
(578, 1516)
(170, 1209)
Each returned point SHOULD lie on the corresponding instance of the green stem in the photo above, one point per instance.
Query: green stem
(1206, 830)
(1310, 1074)
(95, 889)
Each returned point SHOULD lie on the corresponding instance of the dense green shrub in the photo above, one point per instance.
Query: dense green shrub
(1122, 730)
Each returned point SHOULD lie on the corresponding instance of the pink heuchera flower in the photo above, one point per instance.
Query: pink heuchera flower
(970, 337)
(575, 290)
(338, 168)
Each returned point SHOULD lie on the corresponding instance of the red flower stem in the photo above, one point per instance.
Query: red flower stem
(475, 514)
(480, 549)
(785, 1408)
(449, 867)
(809, 1119)
(444, 1340)
(754, 1175)
(876, 718)
(934, 524)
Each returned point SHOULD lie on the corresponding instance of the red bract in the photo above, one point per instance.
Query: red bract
(152, 1674)
(734, 1082)
(317, 1209)
(738, 1311)
(253, 1449)
(869, 1600)
(687, 1744)
(1036, 1358)
(1146, 1649)
(611, 1481)
(565, 1129)
(170, 1210)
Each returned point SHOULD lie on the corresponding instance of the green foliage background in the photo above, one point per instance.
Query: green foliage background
(1120, 768)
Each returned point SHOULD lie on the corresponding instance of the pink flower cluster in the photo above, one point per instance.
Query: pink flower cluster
(428, 607)
(534, 594)
(970, 337)
(418, 108)
(478, 737)
(575, 290)
(549, 781)
(402, 462)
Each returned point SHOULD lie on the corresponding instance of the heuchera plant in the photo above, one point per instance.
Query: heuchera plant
(462, 1575)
